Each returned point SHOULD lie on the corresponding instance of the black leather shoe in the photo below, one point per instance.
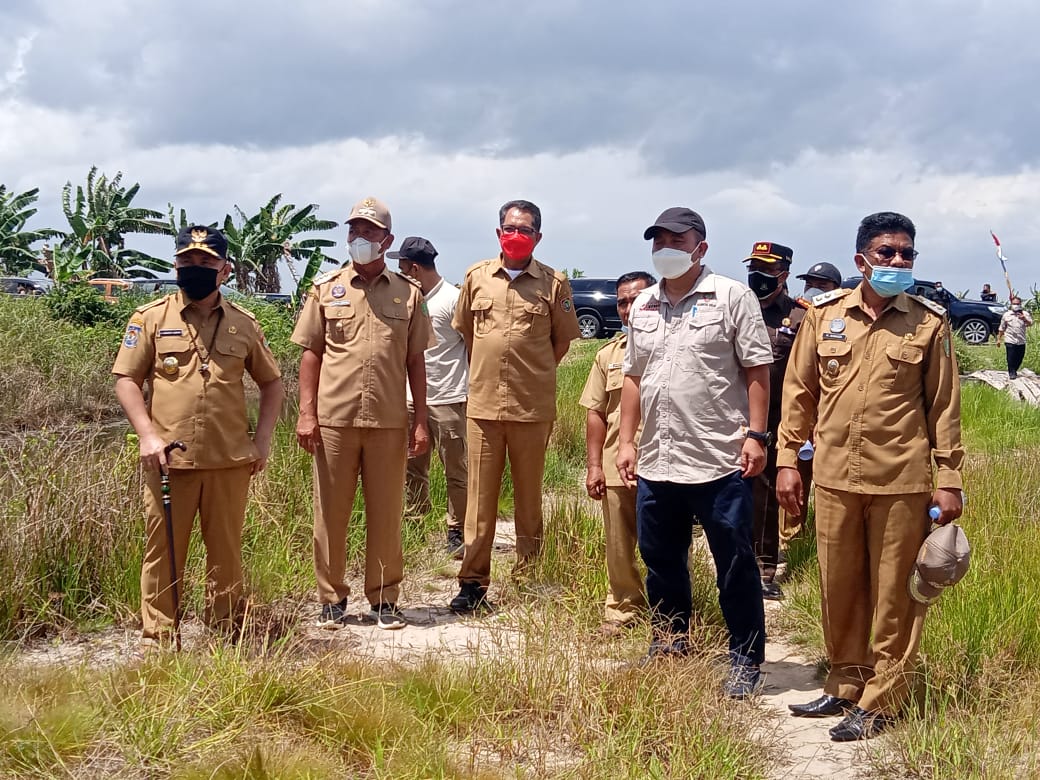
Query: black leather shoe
(472, 598)
(860, 724)
(823, 707)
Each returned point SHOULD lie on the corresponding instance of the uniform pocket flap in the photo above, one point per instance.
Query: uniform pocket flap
(396, 311)
(645, 323)
(905, 353)
(481, 304)
(833, 348)
(705, 317)
(338, 312)
(172, 344)
(237, 349)
(539, 307)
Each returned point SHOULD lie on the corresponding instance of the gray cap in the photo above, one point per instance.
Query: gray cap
(822, 271)
(942, 562)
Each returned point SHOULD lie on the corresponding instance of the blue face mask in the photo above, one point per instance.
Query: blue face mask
(624, 329)
(889, 282)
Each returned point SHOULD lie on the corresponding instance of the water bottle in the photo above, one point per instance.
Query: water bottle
(934, 512)
(806, 451)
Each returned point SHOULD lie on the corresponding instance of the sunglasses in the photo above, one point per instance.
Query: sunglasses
(887, 253)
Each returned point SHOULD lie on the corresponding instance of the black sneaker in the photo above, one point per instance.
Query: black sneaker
(472, 597)
(743, 681)
(771, 591)
(663, 647)
(456, 544)
(387, 616)
(333, 616)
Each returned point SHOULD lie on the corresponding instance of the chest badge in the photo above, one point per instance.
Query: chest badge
(232, 330)
(908, 337)
(832, 367)
(170, 365)
(397, 300)
(339, 291)
(837, 325)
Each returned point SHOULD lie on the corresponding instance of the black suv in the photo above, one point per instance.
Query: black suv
(595, 303)
(976, 321)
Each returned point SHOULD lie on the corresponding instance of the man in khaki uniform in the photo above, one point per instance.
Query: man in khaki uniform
(602, 397)
(363, 329)
(517, 318)
(873, 369)
(193, 347)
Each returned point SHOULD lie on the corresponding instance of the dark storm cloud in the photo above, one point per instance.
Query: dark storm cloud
(742, 85)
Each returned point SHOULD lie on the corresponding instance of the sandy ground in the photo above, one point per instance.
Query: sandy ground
(802, 746)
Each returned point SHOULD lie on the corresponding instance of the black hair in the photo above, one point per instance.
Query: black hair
(883, 222)
(523, 205)
(636, 276)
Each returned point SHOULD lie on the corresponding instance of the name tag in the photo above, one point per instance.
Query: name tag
(331, 304)
(171, 332)
(834, 337)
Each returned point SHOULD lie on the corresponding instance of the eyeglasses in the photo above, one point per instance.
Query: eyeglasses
(888, 254)
(510, 229)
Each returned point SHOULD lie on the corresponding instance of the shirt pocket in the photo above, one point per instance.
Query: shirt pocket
(229, 358)
(834, 359)
(615, 377)
(173, 356)
(341, 323)
(707, 326)
(903, 370)
(394, 322)
(483, 321)
(535, 317)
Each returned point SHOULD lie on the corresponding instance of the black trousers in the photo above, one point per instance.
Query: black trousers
(1015, 354)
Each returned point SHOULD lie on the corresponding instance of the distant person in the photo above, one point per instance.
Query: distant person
(987, 294)
(602, 398)
(820, 278)
(364, 332)
(516, 315)
(193, 347)
(447, 380)
(697, 378)
(1012, 332)
(769, 265)
(874, 370)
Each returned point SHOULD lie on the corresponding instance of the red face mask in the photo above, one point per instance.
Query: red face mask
(516, 246)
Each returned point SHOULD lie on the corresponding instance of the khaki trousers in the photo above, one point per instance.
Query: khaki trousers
(448, 436)
(489, 442)
(625, 595)
(867, 546)
(218, 497)
(378, 455)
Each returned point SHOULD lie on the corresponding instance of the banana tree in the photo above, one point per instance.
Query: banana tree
(257, 243)
(100, 216)
(17, 256)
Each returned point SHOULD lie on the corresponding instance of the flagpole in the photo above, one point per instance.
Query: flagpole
(1002, 259)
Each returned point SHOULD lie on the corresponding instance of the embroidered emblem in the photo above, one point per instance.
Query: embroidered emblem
(837, 325)
(338, 291)
(565, 304)
(133, 333)
(232, 330)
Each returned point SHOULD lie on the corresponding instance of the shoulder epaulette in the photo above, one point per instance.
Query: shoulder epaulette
(828, 297)
(929, 304)
(152, 304)
(328, 276)
(240, 308)
(411, 280)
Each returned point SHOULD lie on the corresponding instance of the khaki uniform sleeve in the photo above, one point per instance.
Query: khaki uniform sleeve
(137, 352)
(942, 389)
(594, 396)
(260, 362)
(564, 320)
(309, 332)
(801, 393)
(462, 319)
(420, 330)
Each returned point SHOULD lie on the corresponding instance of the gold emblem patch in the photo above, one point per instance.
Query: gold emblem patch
(198, 235)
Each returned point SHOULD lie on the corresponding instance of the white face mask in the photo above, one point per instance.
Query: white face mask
(362, 251)
(672, 263)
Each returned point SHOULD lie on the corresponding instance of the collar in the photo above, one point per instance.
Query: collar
(435, 289)
(531, 268)
(705, 284)
(187, 303)
(899, 302)
(352, 274)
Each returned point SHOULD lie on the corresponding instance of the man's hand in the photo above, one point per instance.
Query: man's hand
(595, 482)
(752, 458)
(418, 439)
(308, 434)
(789, 489)
(626, 464)
(950, 504)
(263, 448)
(152, 452)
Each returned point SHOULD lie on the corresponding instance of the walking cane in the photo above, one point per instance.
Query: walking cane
(167, 512)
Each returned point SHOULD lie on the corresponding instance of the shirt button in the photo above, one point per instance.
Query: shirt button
(860, 388)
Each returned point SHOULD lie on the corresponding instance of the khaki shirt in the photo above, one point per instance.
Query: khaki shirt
(692, 392)
(884, 395)
(1013, 326)
(783, 317)
(510, 328)
(602, 394)
(364, 336)
(165, 344)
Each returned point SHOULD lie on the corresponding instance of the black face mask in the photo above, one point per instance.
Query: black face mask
(197, 281)
(763, 284)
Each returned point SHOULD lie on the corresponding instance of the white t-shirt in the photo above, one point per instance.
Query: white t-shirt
(447, 365)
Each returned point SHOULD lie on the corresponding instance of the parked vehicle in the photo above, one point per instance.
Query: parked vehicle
(20, 285)
(595, 304)
(110, 288)
(976, 321)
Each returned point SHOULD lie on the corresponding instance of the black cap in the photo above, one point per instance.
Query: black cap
(822, 271)
(768, 252)
(678, 220)
(205, 239)
(415, 249)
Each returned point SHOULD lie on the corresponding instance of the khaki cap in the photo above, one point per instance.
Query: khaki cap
(942, 562)
(372, 210)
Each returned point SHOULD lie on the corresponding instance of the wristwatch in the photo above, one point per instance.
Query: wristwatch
(766, 437)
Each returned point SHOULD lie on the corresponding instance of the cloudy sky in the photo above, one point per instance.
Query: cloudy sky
(785, 122)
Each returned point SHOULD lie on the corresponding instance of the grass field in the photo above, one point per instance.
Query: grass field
(568, 705)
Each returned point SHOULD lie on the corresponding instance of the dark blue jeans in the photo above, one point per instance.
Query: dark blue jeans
(664, 512)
